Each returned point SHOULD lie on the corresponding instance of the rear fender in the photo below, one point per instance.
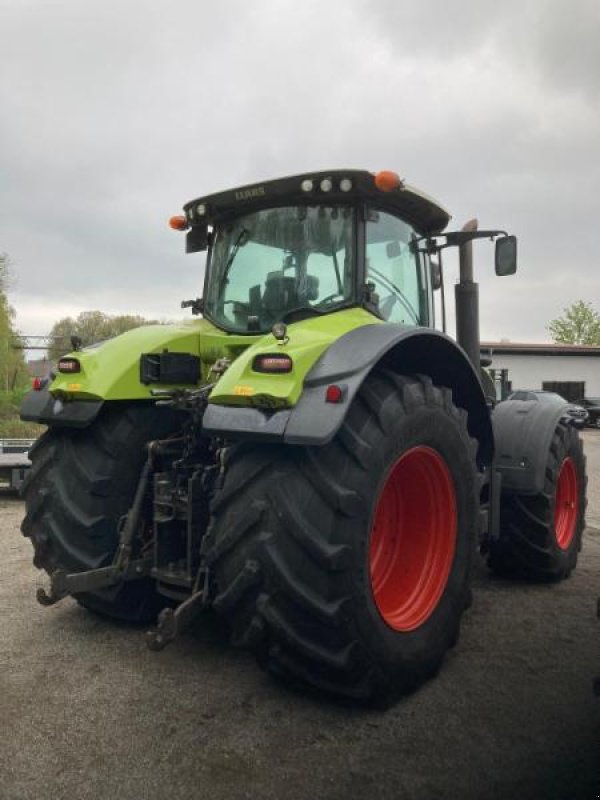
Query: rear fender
(346, 363)
(41, 407)
(523, 431)
(111, 372)
(407, 351)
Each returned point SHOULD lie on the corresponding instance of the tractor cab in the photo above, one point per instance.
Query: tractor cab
(311, 244)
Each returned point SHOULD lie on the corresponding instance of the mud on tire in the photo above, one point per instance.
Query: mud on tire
(290, 537)
(80, 484)
(540, 535)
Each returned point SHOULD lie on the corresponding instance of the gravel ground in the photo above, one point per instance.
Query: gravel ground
(86, 711)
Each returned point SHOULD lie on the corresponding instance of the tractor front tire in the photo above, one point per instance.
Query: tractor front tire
(540, 535)
(348, 567)
(81, 482)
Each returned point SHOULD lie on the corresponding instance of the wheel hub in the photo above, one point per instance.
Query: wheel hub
(566, 505)
(413, 538)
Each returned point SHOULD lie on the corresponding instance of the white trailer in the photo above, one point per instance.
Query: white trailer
(14, 462)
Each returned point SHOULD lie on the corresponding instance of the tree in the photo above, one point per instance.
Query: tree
(90, 327)
(13, 372)
(580, 324)
(4, 272)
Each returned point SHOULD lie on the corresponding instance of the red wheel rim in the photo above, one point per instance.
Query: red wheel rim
(413, 539)
(566, 504)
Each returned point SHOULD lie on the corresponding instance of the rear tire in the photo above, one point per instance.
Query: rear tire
(296, 550)
(80, 484)
(540, 535)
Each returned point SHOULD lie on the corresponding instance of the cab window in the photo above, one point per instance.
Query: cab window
(394, 268)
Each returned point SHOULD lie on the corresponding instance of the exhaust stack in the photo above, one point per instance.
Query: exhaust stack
(466, 294)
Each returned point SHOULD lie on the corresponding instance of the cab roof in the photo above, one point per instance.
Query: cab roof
(330, 187)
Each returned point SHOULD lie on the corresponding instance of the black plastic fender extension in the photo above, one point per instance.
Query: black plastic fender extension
(523, 430)
(40, 406)
(407, 350)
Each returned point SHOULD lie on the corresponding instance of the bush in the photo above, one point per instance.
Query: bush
(11, 427)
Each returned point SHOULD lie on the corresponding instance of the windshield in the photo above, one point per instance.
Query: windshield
(266, 264)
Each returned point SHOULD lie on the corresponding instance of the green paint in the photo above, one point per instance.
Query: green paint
(111, 371)
(307, 341)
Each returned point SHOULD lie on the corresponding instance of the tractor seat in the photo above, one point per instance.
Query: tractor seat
(280, 293)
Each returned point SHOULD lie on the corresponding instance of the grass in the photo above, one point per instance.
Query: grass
(11, 427)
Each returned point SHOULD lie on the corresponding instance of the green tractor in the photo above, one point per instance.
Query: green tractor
(311, 458)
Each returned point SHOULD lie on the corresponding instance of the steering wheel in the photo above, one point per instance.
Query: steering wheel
(330, 298)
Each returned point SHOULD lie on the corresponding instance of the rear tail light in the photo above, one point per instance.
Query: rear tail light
(69, 365)
(37, 384)
(272, 363)
(334, 394)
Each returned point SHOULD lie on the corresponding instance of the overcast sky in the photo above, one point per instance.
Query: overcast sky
(113, 114)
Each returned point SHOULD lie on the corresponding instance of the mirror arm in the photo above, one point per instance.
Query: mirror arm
(197, 305)
(454, 239)
(464, 236)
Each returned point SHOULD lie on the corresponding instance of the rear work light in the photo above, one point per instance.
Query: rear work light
(272, 363)
(69, 365)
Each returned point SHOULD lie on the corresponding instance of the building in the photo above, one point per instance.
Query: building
(39, 367)
(571, 370)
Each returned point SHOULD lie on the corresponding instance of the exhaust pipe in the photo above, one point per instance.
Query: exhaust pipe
(466, 293)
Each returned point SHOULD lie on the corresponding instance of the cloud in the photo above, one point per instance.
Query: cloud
(112, 118)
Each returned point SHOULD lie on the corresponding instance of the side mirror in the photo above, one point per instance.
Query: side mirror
(436, 275)
(506, 255)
